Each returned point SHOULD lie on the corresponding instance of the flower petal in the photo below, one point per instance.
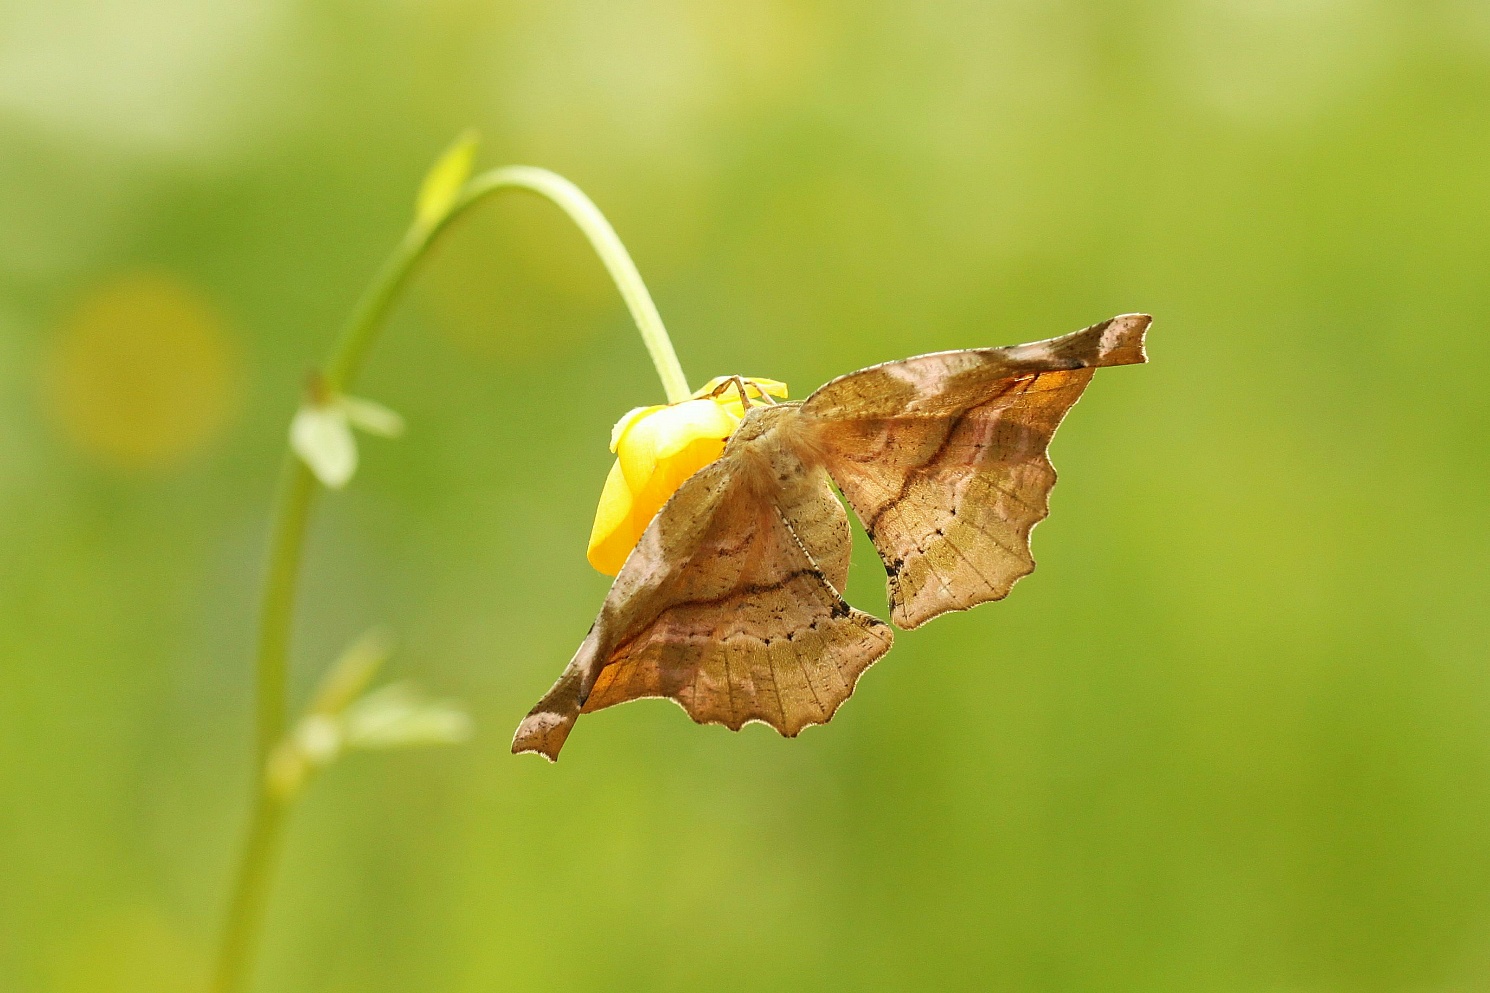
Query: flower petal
(772, 386)
(754, 386)
(398, 716)
(666, 431)
(614, 533)
(374, 418)
(319, 738)
(657, 449)
(627, 419)
(692, 421)
(729, 396)
(324, 442)
(352, 672)
(671, 473)
(680, 425)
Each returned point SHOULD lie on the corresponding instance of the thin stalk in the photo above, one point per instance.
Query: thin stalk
(362, 329)
(250, 895)
(298, 490)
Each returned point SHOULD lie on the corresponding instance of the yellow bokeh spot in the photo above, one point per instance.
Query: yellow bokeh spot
(143, 373)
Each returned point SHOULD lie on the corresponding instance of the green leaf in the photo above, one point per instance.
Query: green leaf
(444, 181)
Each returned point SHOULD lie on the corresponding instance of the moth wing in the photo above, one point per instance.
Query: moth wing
(943, 458)
(730, 606)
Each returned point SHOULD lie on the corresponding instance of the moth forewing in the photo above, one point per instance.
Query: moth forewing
(943, 458)
(730, 605)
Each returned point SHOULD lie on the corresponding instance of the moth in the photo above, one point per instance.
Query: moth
(731, 604)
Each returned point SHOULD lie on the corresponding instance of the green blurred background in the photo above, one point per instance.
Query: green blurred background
(1233, 735)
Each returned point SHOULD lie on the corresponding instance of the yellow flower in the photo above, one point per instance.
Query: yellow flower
(657, 448)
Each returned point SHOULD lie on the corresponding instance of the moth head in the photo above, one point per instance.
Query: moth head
(761, 420)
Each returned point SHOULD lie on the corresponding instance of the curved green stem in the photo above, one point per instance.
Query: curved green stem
(347, 360)
(298, 490)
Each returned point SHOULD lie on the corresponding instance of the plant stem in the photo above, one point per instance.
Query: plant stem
(298, 490)
(347, 360)
(603, 239)
(250, 895)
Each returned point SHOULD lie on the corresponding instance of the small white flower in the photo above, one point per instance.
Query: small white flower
(319, 738)
(321, 433)
(345, 716)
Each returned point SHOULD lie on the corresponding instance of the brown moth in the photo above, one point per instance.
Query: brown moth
(731, 603)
